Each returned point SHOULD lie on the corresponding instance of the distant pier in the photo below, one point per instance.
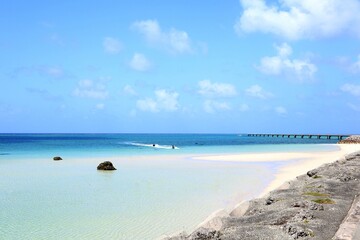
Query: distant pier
(315, 136)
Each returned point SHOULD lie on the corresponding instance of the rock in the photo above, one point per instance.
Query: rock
(316, 206)
(269, 201)
(354, 139)
(299, 204)
(344, 177)
(215, 220)
(308, 205)
(106, 166)
(352, 156)
(205, 234)
(240, 209)
(57, 158)
(311, 173)
(296, 232)
(302, 215)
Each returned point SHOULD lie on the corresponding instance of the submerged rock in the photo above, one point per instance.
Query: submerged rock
(106, 166)
(57, 158)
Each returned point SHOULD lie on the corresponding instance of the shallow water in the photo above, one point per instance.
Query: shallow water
(44, 199)
(153, 192)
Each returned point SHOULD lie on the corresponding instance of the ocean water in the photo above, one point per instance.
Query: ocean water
(45, 145)
(156, 190)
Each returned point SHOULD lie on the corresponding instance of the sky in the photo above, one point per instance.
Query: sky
(248, 66)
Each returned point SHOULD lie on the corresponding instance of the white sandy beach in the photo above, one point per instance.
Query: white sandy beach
(299, 162)
(293, 163)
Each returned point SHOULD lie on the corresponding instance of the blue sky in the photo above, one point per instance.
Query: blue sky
(285, 66)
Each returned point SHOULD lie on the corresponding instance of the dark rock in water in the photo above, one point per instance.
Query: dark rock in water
(57, 158)
(311, 173)
(106, 166)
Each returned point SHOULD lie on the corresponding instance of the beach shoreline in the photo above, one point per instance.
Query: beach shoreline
(295, 164)
(281, 162)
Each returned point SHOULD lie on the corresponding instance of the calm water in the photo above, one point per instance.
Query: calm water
(145, 198)
(45, 145)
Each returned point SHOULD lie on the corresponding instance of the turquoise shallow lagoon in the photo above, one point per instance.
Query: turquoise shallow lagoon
(153, 192)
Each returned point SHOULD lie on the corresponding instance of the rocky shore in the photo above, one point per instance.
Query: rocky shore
(321, 204)
(354, 139)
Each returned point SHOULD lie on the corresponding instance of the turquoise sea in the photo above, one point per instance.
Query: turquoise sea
(156, 189)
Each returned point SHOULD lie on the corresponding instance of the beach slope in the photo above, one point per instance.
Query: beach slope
(320, 204)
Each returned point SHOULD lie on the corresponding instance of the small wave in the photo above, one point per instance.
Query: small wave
(151, 145)
(4, 153)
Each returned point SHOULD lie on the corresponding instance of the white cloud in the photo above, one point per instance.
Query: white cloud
(355, 67)
(211, 106)
(299, 19)
(148, 105)
(281, 110)
(244, 107)
(89, 89)
(167, 100)
(210, 89)
(54, 71)
(164, 101)
(354, 107)
(112, 45)
(282, 64)
(258, 92)
(174, 40)
(100, 106)
(352, 89)
(129, 90)
(140, 63)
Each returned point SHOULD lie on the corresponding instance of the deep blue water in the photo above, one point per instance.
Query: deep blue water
(35, 145)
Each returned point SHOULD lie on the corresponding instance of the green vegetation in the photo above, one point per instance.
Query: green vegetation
(316, 194)
(324, 201)
(317, 176)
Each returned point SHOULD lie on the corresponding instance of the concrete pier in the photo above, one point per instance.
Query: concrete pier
(318, 136)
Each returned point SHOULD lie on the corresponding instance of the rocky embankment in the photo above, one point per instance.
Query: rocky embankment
(313, 206)
(354, 139)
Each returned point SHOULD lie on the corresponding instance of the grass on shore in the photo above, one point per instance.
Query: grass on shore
(316, 176)
(316, 194)
(324, 201)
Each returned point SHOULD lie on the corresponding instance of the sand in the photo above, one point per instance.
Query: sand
(296, 163)
(281, 213)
